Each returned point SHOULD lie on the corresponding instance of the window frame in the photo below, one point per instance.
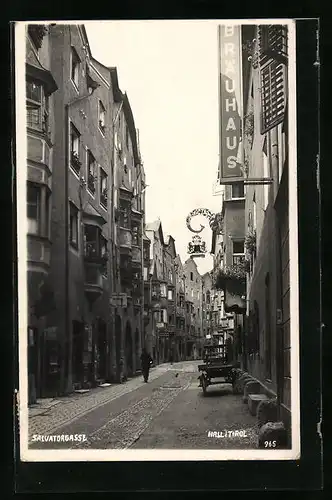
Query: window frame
(74, 58)
(103, 177)
(163, 290)
(41, 105)
(237, 184)
(73, 208)
(75, 156)
(37, 205)
(89, 156)
(101, 117)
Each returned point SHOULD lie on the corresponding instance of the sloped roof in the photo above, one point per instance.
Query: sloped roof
(153, 226)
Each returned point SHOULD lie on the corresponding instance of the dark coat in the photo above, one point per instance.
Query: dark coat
(146, 360)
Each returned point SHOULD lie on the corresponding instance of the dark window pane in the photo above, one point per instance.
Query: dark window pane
(238, 246)
(32, 201)
(238, 190)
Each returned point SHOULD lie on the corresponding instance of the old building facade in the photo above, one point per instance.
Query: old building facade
(40, 89)
(266, 215)
(193, 295)
(252, 263)
(86, 216)
(129, 221)
(158, 319)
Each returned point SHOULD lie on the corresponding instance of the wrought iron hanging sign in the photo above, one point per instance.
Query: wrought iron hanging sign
(197, 247)
(215, 220)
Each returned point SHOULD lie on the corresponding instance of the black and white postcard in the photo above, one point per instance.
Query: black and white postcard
(157, 240)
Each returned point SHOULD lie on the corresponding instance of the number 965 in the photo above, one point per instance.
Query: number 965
(270, 444)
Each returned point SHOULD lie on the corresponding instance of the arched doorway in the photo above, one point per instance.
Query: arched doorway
(101, 350)
(129, 350)
(118, 330)
(137, 349)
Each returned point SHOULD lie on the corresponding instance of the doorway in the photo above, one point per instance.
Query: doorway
(101, 351)
(129, 350)
(78, 348)
(118, 330)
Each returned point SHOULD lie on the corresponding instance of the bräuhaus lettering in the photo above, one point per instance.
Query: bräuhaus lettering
(230, 88)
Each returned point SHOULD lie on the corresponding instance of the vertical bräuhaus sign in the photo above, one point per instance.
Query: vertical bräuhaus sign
(230, 101)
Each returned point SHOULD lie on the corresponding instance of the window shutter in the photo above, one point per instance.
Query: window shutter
(272, 43)
(273, 70)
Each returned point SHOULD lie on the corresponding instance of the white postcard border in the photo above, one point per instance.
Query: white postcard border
(29, 455)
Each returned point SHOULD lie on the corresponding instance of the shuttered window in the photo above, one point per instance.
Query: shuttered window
(273, 95)
(273, 71)
(272, 39)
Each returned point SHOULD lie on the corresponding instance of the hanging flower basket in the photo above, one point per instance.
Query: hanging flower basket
(249, 127)
(250, 242)
(229, 274)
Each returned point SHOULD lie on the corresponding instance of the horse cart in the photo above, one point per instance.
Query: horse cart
(215, 369)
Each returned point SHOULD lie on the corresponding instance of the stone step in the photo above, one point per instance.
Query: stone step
(254, 400)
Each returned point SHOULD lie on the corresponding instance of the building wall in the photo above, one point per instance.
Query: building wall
(84, 116)
(39, 174)
(268, 287)
(194, 295)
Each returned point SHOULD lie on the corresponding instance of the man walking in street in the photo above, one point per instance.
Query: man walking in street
(146, 361)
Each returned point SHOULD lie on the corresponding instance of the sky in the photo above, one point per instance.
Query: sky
(169, 70)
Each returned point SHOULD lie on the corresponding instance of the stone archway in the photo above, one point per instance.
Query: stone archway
(129, 350)
(118, 335)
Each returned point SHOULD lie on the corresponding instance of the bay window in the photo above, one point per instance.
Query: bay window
(163, 290)
(124, 214)
(135, 235)
(37, 105)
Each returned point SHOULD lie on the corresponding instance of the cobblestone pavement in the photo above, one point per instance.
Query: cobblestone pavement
(186, 422)
(51, 415)
(168, 412)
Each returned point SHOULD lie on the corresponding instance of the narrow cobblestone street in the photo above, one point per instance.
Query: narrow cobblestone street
(168, 412)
